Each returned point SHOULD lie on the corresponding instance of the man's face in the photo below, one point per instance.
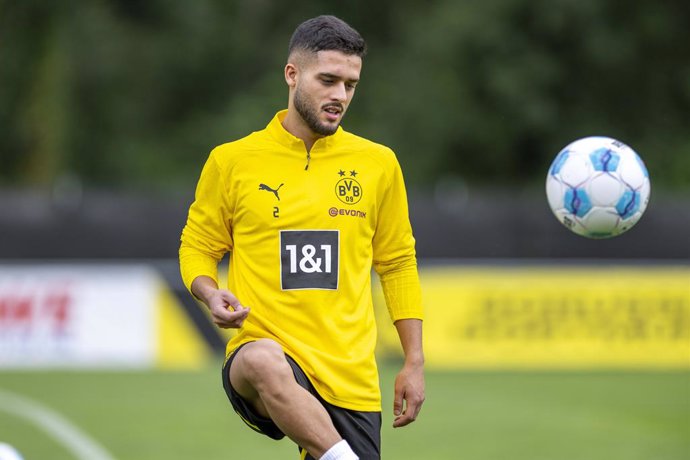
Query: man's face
(325, 88)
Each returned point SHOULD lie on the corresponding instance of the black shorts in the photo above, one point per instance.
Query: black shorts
(362, 430)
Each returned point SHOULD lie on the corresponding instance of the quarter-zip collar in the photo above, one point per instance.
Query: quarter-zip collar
(276, 130)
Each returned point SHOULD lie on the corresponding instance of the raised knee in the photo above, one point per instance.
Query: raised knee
(264, 361)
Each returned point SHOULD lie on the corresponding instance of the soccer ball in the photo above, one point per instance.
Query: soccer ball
(598, 187)
(8, 452)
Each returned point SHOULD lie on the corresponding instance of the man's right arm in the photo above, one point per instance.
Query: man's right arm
(207, 236)
(226, 309)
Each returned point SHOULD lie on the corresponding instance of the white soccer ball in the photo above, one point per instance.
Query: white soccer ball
(598, 187)
(8, 452)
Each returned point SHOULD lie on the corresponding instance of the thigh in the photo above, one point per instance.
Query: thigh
(249, 415)
(361, 430)
(254, 362)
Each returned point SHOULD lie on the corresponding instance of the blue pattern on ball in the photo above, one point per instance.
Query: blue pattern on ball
(577, 202)
(559, 162)
(628, 204)
(604, 159)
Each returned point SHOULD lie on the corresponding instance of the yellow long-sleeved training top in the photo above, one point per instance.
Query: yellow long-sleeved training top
(303, 232)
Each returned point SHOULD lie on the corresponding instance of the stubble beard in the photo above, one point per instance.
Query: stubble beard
(310, 116)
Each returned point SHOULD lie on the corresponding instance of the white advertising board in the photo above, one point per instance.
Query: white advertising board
(78, 316)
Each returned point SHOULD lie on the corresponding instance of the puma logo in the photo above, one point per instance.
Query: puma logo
(269, 189)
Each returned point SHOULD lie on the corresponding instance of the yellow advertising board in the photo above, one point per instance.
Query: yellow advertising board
(179, 344)
(534, 317)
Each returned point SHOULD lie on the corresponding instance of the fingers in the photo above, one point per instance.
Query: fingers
(408, 397)
(227, 311)
(398, 404)
(226, 318)
(407, 414)
(229, 298)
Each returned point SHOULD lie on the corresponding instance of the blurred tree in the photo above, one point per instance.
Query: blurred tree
(32, 91)
(493, 90)
(136, 93)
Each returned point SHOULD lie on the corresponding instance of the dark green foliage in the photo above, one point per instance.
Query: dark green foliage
(133, 93)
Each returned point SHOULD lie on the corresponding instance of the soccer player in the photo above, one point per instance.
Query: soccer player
(306, 209)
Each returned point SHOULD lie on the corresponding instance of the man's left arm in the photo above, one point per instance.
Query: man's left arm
(409, 384)
(396, 263)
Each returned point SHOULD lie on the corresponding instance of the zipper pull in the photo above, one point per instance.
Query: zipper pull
(308, 159)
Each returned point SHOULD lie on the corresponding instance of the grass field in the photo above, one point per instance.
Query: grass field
(468, 415)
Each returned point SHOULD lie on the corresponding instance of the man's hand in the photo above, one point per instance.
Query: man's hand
(226, 309)
(409, 394)
(409, 384)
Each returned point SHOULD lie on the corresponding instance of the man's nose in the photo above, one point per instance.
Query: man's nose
(339, 92)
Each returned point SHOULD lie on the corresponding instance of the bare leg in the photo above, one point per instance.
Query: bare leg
(263, 377)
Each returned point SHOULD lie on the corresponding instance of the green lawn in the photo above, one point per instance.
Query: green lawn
(468, 415)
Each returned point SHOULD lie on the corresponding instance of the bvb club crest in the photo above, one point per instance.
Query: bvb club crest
(347, 189)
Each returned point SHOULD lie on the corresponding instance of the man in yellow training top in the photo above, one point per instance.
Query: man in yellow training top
(306, 209)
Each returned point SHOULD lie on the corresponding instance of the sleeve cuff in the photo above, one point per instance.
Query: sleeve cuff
(195, 265)
(403, 294)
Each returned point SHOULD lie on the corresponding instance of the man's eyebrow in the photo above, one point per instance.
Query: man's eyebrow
(336, 77)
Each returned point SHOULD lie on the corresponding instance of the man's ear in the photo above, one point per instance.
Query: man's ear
(291, 74)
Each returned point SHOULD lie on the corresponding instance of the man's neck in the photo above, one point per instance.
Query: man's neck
(294, 124)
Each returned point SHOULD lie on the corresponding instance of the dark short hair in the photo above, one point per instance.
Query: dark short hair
(327, 33)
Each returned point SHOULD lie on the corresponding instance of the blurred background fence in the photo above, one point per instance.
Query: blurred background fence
(451, 220)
